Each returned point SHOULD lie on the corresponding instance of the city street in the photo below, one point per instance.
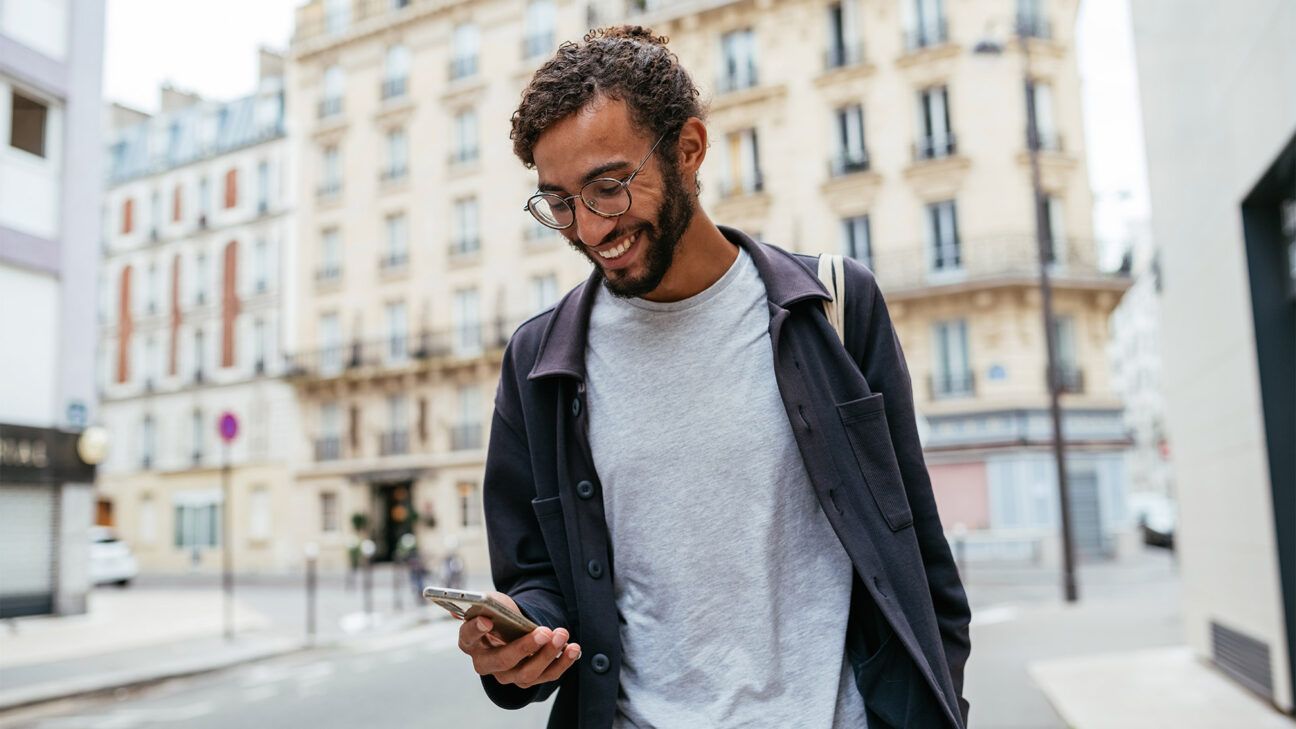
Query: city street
(402, 677)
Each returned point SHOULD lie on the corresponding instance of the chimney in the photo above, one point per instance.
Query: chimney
(174, 98)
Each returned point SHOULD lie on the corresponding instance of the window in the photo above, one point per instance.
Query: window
(197, 524)
(201, 274)
(231, 189)
(198, 433)
(397, 155)
(467, 323)
(204, 201)
(263, 186)
(27, 126)
(261, 266)
(334, 88)
(856, 239)
(259, 514)
(259, 344)
(942, 237)
(330, 255)
(926, 23)
(396, 72)
(328, 446)
(153, 285)
(147, 520)
(397, 332)
(544, 291)
(466, 239)
(330, 339)
(198, 355)
(737, 61)
(851, 154)
(1054, 230)
(465, 136)
(1032, 19)
(465, 43)
(470, 507)
(935, 140)
(150, 363)
(740, 158)
(329, 521)
(952, 375)
(539, 39)
(395, 440)
(1039, 108)
(397, 253)
(337, 16)
(128, 216)
(148, 447)
(466, 434)
(155, 214)
(331, 171)
(843, 43)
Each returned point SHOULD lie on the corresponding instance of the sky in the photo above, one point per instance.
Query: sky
(210, 48)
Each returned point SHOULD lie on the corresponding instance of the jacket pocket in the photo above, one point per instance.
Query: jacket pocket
(870, 438)
(547, 506)
(896, 695)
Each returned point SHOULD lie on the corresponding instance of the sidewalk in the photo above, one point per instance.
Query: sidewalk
(171, 626)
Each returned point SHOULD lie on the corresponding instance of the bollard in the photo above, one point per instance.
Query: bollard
(367, 549)
(312, 553)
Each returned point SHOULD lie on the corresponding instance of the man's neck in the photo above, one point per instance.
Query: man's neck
(703, 256)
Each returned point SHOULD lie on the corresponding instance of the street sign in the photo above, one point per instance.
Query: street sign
(228, 427)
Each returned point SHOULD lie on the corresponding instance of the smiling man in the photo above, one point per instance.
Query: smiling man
(716, 509)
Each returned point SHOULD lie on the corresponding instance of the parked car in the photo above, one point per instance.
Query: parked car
(1156, 516)
(111, 561)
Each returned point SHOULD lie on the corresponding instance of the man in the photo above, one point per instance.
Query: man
(718, 515)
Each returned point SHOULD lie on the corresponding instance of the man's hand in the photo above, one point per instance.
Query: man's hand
(539, 657)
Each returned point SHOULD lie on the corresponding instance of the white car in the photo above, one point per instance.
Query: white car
(111, 560)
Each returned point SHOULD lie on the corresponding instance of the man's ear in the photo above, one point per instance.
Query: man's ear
(692, 147)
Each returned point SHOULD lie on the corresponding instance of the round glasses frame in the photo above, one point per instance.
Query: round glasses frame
(554, 199)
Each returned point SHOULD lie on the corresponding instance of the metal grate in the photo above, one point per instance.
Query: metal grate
(1244, 658)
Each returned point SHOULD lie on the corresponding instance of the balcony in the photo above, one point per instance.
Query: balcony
(466, 437)
(330, 107)
(328, 273)
(328, 448)
(929, 148)
(393, 443)
(1070, 378)
(928, 35)
(1046, 141)
(988, 262)
(394, 262)
(841, 55)
(848, 163)
(465, 246)
(751, 184)
(394, 88)
(461, 68)
(393, 173)
(464, 155)
(329, 189)
(427, 349)
(942, 385)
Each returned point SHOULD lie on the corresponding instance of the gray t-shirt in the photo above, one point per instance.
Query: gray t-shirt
(732, 588)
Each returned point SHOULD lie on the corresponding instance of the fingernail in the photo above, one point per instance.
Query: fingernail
(541, 638)
(483, 624)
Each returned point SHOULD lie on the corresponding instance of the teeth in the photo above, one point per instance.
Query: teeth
(620, 250)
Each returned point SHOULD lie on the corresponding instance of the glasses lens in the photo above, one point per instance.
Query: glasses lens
(551, 210)
(606, 197)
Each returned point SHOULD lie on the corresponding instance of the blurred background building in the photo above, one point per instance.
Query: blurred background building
(193, 321)
(1222, 169)
(51, 64)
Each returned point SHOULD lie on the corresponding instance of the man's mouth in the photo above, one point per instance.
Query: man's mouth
(619, 248)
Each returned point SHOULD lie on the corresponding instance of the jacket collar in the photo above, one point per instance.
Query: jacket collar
(562, 347)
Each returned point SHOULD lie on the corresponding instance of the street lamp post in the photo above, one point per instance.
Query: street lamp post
(1044, 251)
(312, 555)
(367, 549)
(228, 429)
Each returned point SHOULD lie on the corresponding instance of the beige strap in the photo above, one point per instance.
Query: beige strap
(833, 277)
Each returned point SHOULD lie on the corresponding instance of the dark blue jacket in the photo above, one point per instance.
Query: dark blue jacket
(852, 414)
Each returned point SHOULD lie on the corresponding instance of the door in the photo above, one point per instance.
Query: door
(28, 516)
(1086, 516)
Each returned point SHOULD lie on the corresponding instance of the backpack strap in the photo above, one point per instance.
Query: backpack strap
(833, 277)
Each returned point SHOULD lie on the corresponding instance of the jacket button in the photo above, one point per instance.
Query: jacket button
(600, 663)
(585, 489)
(595, 568)
(575, 407)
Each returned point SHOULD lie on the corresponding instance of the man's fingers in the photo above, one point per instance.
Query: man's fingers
(560, 666)
(528, 672)
(497, 660)
(471, 632)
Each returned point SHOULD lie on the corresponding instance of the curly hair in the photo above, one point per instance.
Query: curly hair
(628, 63)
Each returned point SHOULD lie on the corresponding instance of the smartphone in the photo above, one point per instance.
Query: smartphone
(466, 605)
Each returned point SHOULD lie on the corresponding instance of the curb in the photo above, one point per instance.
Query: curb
(89, 685)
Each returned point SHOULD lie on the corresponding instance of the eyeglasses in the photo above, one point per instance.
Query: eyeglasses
(606, 197)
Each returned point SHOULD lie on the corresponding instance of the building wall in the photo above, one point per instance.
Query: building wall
(1226, 537)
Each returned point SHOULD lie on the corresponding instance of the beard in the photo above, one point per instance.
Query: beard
(661, 239)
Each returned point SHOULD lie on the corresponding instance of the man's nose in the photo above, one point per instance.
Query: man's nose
(591, 227)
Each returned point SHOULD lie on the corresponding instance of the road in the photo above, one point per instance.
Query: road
(411, 679)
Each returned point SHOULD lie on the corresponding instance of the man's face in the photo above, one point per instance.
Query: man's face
(601, 141)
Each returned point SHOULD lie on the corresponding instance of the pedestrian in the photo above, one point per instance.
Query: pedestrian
(417, 569)
(714, 506)
(452, 570)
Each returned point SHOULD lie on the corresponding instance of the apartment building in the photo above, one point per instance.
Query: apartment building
(50, 88)
(874, 129)
(193, 320)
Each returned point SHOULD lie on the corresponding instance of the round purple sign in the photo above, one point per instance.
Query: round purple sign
(228, 426)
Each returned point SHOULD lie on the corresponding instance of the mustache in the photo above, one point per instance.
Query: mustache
(614, 235)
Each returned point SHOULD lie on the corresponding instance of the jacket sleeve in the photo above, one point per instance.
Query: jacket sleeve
(520, 562)
(876, 349)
